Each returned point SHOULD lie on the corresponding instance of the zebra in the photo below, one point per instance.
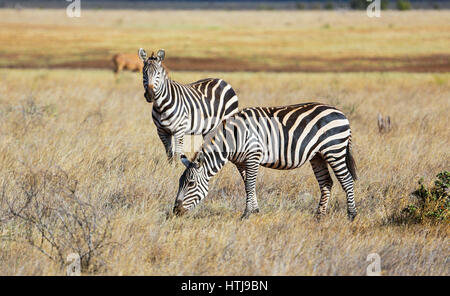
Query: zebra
(280, 138)
(196, 108)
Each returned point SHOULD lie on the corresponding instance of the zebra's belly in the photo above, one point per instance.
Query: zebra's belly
(277, 157)
(201, 126)
(282, 165)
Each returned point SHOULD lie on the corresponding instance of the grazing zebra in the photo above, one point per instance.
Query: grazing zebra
(195, 108)
(275, 137)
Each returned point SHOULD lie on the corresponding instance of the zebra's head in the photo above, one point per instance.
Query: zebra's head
(193, 186)
(153, 73)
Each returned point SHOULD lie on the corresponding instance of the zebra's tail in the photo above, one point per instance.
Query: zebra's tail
(350, 161)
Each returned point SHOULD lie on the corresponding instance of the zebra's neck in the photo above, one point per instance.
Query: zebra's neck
(214, 161)
(218, 149)
(164, 95)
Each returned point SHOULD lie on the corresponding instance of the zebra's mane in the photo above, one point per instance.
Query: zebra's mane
(196, 154)
(165, 69)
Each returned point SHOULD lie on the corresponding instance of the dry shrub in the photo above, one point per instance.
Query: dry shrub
(56, 219)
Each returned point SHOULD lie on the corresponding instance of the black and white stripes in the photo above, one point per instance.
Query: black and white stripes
(279, 138)
(178, 109)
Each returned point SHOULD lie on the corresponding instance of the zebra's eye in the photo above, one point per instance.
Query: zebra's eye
(191, 184)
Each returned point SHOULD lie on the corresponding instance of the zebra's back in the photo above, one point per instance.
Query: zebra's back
(215, 100)
(288, 136)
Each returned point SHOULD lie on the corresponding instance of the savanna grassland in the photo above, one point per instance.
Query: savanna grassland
(81, 135)
(82, 169)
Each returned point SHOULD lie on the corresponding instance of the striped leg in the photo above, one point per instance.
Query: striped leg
(166, 138)
(339, 166)
(320, 168)
(179, 143)
(249, 172)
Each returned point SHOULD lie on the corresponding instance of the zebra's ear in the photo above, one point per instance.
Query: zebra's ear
(142, 54)
(185, 161)
(160, 55)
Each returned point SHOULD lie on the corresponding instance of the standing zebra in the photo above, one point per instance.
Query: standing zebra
(195, 108)
(275, 137)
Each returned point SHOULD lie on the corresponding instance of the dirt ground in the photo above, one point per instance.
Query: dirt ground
(427, 63)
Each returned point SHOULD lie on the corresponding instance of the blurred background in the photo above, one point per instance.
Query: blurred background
(288, 36)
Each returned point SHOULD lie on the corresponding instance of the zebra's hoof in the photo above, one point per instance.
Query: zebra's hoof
(245, 216)
(319, 216)
(248, 213)
(351, 216)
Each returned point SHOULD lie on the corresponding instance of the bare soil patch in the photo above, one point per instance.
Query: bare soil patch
(428, 63)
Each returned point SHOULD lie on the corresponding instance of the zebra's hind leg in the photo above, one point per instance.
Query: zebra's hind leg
(320, 168)
(248, 172)
(338, 163)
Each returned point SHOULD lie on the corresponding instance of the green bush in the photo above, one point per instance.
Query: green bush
(433, 203)
(358, 4)
(300, 5)
(403, 5)
(329, 5)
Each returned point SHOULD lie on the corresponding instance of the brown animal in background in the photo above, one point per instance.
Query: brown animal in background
(127, 61)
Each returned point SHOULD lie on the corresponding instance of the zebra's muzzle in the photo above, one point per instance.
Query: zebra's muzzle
(149, 95)
(178, 209)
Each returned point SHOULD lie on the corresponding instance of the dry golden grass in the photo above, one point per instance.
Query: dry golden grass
(276, 39)
(98, 130)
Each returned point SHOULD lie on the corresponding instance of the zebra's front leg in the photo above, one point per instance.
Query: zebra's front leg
(249, 173)
(179, 144)
(166, 138)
